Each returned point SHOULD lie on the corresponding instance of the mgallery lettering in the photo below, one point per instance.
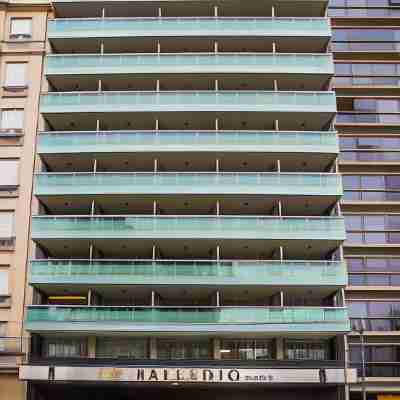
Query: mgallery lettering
(187, 374)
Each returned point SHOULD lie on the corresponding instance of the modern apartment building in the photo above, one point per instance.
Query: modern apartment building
(366, 51)
(22, 46)
(186, 232)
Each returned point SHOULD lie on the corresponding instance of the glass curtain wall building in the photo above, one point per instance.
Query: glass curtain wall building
(365, 45)
(186, 228)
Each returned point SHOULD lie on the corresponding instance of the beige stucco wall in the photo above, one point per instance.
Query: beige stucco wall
(23, 149)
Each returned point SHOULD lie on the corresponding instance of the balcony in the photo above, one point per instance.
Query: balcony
(183, 226)
(50, 143)
(186, 319)
(187, 272)
(188, 101)
(187, 183)
(187, 27)
(257, 110)
(189, 63)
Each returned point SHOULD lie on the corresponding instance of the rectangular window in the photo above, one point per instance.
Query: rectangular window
(7, 225)
(15, 75)
(171, 349)
(246, 349)
(21, 28)
(65, 348)
(12, 119)
(4, 290)
(131, 348)
(305, 350)
(8, 173)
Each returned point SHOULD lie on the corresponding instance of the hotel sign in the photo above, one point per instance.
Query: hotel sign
(154, 375)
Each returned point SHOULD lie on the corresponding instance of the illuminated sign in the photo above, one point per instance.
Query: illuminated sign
(154, 375)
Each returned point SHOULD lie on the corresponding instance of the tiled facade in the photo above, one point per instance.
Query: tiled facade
(365, 45)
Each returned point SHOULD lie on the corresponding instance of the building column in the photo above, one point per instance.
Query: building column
(280, 351)
(91, 346)
(153, 348)
(216, 347)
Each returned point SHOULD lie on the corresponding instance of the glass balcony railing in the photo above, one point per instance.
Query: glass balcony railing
(261, 63)
(199, 227)
(211, 101)
(169, 272)
(194, 141)
(192, 318)
(208, 183)
(188, 27)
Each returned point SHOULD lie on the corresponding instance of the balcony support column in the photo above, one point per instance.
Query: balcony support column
(281, 254)
(276, 125)
(153, 348)
(91, 346)
(217, 165)
(94, 166)
(215, 46)
(158, 47)
(281, 299)
(216, 344)
(99, 85)
(280, 351)
(157, 125)
(159, 12)
(101, 47)
(278, 165)
(154, 255)
(157, 85)
(155, 165)
(97, 125)
(273, 11)
(273, 47)
(153, 298)
(154, 207)
(276, 85)
(215, 11)
(218, 252)
(216, 85)
(89, 297)
(216, 124)
(217, 208)
(279, 208)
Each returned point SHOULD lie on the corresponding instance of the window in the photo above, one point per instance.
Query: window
(12, 119)
(8, 173)
(302, 350)
(246, 349)
(171, 349)
(132, 348)
(64, 348)
(4, 290)
(21, 28)
(6, 225)
(15, 75)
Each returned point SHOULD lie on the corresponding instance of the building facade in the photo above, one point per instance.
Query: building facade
(186, 228)
(365, 46)
(22, 46)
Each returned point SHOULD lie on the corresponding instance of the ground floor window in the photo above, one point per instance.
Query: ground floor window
(173, 349)
(306, 350)
(132, 348)
(246, 349)
(64, 348)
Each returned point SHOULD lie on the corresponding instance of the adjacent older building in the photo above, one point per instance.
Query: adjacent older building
(22, 46)
(186, 232)
(366, 50)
